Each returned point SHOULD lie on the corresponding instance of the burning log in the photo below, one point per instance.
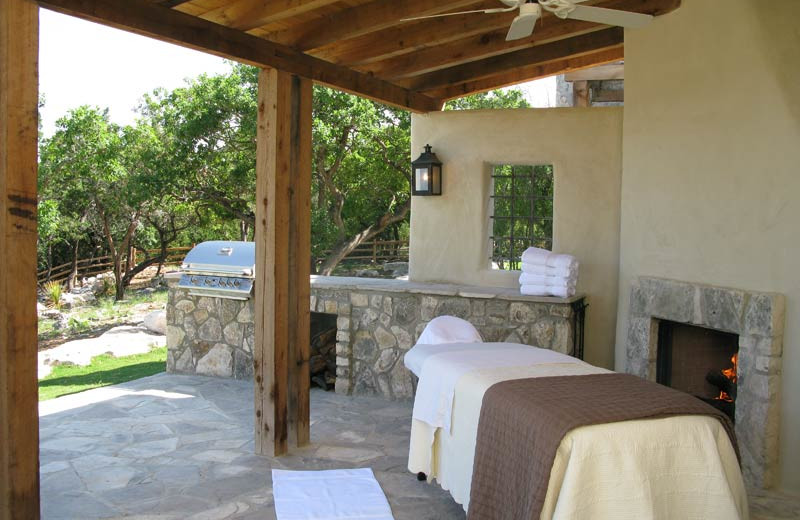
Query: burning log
(718, 379)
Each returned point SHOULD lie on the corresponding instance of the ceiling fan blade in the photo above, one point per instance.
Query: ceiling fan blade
(521, 27)
(484, 11)
(610, 16)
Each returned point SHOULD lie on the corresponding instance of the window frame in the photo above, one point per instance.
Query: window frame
(529, 240)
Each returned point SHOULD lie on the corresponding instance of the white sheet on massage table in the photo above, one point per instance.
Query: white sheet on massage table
(616, 471)
(443, 365)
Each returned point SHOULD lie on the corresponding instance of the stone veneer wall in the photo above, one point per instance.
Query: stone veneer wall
(757, 318)
(210, 336)
(377, 322)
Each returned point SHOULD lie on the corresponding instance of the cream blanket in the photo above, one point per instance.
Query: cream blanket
(694, 474)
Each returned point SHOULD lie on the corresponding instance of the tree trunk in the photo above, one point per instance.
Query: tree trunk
(73, 272)
(346, 246)
(244, 230)
(49, 260)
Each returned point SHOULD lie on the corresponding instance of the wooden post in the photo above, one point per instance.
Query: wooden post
(19, 401)
(283, 260)
(580, 94)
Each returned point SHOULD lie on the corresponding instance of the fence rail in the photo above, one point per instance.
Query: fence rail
(99, 264)
(373, 251)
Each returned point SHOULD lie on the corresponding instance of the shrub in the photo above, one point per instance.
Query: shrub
(53, 289)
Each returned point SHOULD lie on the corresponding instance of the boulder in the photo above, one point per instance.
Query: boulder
(156, 322)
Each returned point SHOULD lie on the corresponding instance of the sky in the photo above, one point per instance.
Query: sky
(82, 63)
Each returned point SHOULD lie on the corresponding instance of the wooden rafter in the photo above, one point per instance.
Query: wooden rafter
(249, 14)
(359, 20)
(558, 50)
(164, 24)
(530, 73)
(474, 48)
(481, 45)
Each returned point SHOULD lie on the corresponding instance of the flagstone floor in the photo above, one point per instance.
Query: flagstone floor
(181, 447)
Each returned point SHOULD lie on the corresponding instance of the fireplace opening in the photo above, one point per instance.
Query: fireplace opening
(322, 363)
(699, 361)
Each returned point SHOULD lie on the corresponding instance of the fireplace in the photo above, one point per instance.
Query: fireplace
(679, 331)
(700, 362)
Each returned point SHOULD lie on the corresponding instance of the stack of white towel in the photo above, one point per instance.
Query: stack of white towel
(548, 274)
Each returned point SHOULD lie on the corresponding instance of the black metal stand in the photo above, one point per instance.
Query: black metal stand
(578, 326)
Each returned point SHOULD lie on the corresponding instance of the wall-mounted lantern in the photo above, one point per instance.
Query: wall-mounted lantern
(426, 174)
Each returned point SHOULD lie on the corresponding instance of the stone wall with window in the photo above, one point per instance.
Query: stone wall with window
(450, 233)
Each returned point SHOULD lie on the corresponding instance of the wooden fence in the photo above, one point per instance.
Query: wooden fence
(377, 250)
(373, 251)
(93, 266)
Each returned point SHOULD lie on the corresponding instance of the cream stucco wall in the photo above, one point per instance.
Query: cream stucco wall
(449, 234)
(711, 164)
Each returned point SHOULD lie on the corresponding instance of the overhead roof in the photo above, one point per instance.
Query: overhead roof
(365, 47)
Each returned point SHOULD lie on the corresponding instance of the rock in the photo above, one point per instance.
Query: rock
(52, 314)
(218, 362)
(384, 338)
(210, 330)
(367, 273)
(156, 321)
(396, 268)
(175, 336)
(40, 308)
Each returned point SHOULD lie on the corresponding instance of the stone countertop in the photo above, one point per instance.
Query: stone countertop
(439, 289)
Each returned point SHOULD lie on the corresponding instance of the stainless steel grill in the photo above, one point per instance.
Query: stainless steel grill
(220, 268)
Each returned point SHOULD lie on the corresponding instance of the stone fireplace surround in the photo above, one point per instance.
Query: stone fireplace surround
(757, 317)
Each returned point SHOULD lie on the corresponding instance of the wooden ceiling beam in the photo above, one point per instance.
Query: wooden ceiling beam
(363, 19)
(412, 36)
(474, 48)
(529, 73)
(604, 72)
(481, 33)
(540, 54)
(249, 14)
(141, 17)
(492, 43)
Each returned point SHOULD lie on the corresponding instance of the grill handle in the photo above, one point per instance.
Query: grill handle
(225, 251)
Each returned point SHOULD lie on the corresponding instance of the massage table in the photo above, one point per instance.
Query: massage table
(664, 468)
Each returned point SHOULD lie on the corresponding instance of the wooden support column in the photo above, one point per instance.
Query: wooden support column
(19, 401)
(283, 260)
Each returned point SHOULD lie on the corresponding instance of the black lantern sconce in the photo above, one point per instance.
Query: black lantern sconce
(426, 174)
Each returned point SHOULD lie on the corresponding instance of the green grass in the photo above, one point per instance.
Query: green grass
(104, 370)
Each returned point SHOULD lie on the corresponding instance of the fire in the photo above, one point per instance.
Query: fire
(730, 373)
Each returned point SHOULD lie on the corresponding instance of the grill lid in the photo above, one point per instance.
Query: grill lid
(222, 257)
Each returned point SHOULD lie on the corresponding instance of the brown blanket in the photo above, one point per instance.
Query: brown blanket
(523, 421)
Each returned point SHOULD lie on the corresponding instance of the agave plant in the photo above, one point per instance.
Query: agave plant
(53, 289)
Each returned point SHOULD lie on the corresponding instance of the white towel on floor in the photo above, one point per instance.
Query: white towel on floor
(547, 290)
(339, 494)
(554, 281)
(536, 256)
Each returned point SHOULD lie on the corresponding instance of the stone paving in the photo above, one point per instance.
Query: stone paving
(181, 447)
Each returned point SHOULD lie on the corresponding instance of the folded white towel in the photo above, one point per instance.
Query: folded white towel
(554, 281)
(544, 290)
(536, 256)
(543, 270)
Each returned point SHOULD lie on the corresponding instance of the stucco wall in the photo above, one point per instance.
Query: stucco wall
(711, 148)
(449, 234)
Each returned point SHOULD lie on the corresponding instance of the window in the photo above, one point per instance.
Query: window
(521, 212)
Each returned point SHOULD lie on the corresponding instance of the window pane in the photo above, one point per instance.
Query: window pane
(522, 202)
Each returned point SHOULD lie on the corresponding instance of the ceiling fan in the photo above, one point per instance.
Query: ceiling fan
(531, 10)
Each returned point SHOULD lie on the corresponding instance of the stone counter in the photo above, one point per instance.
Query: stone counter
(378, 320)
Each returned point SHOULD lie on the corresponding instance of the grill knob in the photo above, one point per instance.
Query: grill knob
(193, 280)
(237, 283)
